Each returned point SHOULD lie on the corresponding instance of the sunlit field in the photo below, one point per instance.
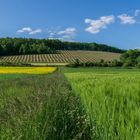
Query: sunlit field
(38, 107)
(63, 57)
(69, 69)
(111, 98)
(26, 70)
(81, 104)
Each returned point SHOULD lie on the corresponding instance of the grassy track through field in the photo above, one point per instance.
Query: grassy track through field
(112, 101)
(41, 107)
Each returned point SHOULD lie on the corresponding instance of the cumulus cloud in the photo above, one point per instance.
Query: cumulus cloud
(67, 34)
(137, 12)
(35, 31)
(29, 30)
(25, 29)
(126, 19)
(95, 26)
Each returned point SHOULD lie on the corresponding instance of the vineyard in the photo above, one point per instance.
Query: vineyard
(62, 57)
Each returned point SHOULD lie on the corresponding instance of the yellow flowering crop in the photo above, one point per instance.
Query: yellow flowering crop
(26, 70)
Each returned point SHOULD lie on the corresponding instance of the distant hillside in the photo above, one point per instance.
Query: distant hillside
(20, 46)
(63, 57)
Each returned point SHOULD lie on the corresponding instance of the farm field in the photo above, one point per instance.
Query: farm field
(26, 70)
(111, 99)
(38, 107)
(71, 103)
(13, 76)
(69, 70)
(63, 57)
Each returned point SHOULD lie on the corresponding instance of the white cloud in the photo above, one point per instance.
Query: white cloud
(29, 30)
(68, 34)
(137, 12)
(95, 26)
(25, 29)
(126, 19)
(35, 31)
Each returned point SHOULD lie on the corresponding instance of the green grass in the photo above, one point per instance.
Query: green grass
(13, 76)
(111, 98)
(91, 104)
(99, 69)
(39, 108)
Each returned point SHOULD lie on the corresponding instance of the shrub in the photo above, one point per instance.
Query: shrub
(14, 64)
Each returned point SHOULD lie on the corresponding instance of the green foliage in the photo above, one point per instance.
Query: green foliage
(16, 46)
(131, 58)
(101, 63)
(14, 64)
(138, 59)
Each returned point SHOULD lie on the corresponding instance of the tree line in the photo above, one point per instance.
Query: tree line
(130, 58)
(18, 46)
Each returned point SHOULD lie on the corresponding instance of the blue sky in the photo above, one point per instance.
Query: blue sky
(111, 22)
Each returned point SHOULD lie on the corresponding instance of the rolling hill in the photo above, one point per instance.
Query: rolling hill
(63, 57)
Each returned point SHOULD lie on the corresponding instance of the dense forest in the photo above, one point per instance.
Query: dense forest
(17, 46)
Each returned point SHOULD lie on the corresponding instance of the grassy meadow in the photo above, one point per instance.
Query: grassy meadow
(69, 104)
(40, 107)
(111, 98)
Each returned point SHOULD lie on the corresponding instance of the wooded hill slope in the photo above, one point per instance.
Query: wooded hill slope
(18, 46)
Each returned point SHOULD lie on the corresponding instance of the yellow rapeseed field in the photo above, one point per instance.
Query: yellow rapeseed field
(26, 70)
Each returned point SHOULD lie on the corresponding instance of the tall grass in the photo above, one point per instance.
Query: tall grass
(102, 104)
(112, 102)
(40, 108)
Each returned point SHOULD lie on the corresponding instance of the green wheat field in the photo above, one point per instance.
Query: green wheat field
(71, 104)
